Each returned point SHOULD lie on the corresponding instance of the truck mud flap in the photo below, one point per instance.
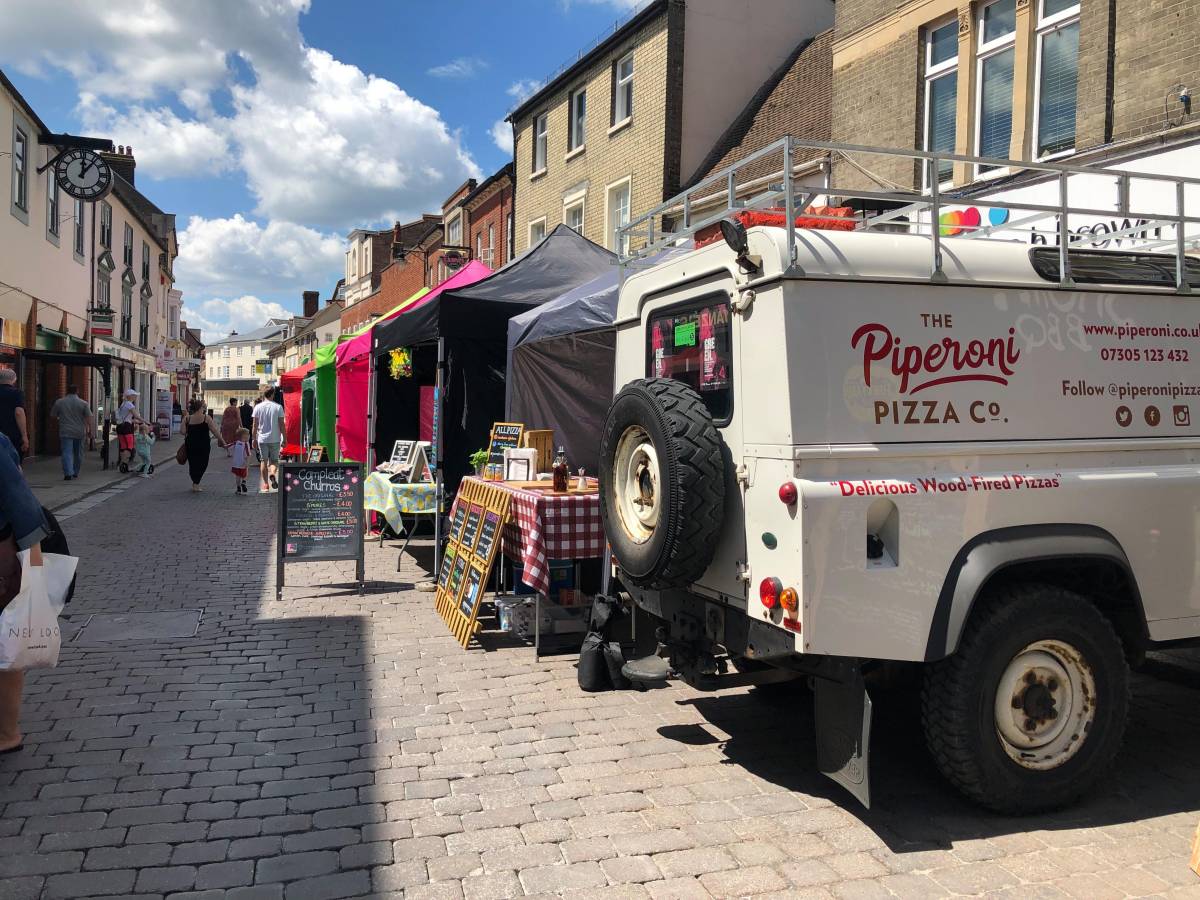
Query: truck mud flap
(843, 732)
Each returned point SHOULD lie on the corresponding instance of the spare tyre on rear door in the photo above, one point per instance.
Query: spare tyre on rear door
(662, 485)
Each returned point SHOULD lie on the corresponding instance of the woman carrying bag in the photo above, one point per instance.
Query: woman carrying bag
(197, 426)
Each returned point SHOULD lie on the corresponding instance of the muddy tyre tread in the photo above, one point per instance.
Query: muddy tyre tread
(694, 460)
(949, 694)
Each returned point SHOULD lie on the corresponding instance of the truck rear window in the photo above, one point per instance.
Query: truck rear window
(692, 344)
(1113, 267)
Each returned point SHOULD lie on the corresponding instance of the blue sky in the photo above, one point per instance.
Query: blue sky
(273, 127)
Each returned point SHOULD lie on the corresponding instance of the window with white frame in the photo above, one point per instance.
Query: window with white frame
(225, 351)
(227, 371)
(622, 89)
(20, 170)
(537, 230)
(618, 216)
(78, 228)
(239, 371)
(51, 204)
(539, 142)
(126, 311)
(479, 245)
(454, 231)
(577, 120)
(105, 225)
(491, 244)
(941, 93)
(994, 103)
(103, 289)
(145, 261)
(128, 251)
(1057, 76)
(573, 213)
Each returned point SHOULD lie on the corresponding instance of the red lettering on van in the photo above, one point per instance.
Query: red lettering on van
(992, 360)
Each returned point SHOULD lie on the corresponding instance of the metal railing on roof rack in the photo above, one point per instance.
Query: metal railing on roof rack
(920, 209)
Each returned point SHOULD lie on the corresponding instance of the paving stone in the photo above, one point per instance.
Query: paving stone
(89, 884)
(255, 847)
(630, 869)
(329, 887)
(225, 874)
(166, 880)
(199, 852)
(700, 861)
(556, 879)
(135, 856)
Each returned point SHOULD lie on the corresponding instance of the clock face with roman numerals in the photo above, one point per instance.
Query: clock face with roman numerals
(83, 174)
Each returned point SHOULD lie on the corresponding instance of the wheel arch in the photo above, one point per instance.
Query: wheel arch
(1058, 553)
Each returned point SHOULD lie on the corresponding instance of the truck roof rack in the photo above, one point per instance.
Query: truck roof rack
(920, 211)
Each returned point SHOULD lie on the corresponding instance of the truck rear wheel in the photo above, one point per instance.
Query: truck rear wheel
(1030, 711)
(662, 485)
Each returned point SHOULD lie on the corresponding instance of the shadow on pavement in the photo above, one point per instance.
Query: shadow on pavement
(914, 809)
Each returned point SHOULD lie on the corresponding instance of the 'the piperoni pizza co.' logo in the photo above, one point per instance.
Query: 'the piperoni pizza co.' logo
(918, 366)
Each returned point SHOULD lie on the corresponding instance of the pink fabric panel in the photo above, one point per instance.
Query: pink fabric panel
(425, 430)
(353, 383)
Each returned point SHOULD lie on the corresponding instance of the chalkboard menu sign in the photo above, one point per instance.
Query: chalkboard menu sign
(456, 574)
(320, 515)
(505, 435)
(447, 562)
(491, 524)
(471, 529)
(469, 605)
(456, 524)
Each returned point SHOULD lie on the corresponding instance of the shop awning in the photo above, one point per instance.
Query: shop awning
(98, 361)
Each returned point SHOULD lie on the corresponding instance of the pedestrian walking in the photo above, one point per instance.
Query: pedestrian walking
(144, 445)
(12, 412)
(247, 413)
(74, 424)
(231, 421)
(197, 426)
(240, 454)
(268, 425)
(127, 422)
(23, 526)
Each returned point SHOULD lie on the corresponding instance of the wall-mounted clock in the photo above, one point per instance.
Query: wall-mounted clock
(83, 174)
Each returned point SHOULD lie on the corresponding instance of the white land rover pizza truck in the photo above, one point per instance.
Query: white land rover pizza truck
(829, 450)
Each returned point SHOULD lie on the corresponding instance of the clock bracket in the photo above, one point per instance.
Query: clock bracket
(65, 142)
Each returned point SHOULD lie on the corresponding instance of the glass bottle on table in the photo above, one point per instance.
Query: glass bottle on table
(562, 472)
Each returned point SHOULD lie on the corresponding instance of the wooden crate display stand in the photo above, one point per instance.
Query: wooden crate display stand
(470, 554)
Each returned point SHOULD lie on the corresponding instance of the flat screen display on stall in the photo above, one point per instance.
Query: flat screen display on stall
(320, 514)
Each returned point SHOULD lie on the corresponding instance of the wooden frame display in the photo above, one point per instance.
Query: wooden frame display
(316, 453)
(474, 541)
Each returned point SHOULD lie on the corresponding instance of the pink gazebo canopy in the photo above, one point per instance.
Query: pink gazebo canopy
(354, 362)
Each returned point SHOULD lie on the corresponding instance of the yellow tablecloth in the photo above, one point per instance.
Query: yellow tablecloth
(391, 499)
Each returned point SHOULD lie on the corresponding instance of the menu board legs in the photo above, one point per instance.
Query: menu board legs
(321, 517)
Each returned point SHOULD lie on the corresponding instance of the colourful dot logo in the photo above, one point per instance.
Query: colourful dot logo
(957, 221)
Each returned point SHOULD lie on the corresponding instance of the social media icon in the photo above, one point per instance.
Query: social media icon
(1153, 416)
(1182, 415)
(1124, 416)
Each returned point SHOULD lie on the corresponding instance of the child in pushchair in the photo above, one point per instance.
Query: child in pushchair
(143, 442)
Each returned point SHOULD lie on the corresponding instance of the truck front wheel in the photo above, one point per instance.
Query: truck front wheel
(1029, 712)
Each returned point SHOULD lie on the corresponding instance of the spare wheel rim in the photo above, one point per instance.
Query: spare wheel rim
(636, 484)
(1045, 705)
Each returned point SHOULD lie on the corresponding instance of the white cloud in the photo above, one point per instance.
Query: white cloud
(226, 256)
(217, 317)
(463, 67)
(502, 135)
(135, 49)
(319, 141)
(164, 145)
(343, 148)
(523, 88)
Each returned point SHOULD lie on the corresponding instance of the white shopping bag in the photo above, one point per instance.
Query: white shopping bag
(29, 635)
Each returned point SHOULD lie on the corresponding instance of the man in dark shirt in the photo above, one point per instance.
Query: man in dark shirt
(12, 412)
(247, 413)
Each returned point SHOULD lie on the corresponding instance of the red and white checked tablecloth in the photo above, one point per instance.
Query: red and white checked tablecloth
(550, 527)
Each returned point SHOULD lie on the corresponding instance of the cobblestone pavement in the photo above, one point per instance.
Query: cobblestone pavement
(333, 745)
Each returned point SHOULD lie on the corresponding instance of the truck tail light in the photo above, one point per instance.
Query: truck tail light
(768, 592)
(789, 599)
(788, 493)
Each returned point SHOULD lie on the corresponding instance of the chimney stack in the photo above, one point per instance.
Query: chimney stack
(122, 162)
(312, 302)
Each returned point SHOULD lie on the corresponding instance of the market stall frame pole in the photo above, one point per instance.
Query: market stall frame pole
(371, 431)
(439, 393)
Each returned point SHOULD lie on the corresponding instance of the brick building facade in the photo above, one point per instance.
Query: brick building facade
(1019, 79)
(399, 261)
(618, 131)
